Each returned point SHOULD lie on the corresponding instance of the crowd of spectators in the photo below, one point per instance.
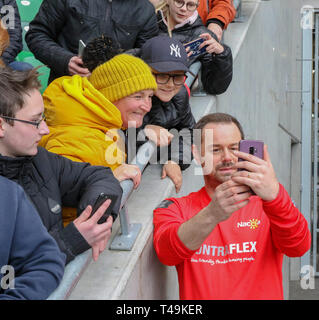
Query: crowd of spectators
(70, 145)
(130, 74)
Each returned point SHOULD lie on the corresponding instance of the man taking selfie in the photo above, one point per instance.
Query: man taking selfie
(225, 241)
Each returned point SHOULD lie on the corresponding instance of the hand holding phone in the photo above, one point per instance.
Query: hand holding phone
(253, 147)
(262, 177)
(194, 47)
(99, 201)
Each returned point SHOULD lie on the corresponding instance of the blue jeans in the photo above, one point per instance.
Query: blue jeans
(20, 66)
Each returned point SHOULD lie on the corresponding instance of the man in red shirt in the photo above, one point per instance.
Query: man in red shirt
(225, 241)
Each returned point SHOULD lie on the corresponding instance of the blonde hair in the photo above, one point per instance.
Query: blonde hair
(164, 8)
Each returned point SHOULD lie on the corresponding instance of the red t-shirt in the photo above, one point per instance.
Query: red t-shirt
(242, 256)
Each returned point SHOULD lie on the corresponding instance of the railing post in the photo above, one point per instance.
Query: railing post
(199, 91)
(128, 232)
(126, 238)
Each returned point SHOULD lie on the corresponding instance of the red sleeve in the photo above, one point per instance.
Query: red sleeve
(169, 248)
(289, 228)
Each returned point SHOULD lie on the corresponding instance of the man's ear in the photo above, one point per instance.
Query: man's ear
(2, 127)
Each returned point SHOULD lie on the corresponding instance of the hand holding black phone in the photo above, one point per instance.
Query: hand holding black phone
(99, 201)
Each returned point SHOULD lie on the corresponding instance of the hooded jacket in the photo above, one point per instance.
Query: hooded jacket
(216, 69)
(52, 181)
(36, 261)
(84, 125)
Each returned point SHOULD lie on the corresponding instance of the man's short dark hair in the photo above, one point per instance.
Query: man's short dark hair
(219, 117)
(100, 50)
(14, 86)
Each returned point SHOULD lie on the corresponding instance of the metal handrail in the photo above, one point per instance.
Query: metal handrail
(192, 75)
(76, 267)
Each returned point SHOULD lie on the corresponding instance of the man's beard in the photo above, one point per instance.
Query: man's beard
(223, 177)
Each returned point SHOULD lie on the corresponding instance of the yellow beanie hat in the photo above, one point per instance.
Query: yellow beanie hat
(122, 76)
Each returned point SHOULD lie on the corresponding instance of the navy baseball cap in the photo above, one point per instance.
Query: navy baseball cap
(165, 54)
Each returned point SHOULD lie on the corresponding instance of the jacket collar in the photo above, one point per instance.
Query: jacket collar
(14, 168)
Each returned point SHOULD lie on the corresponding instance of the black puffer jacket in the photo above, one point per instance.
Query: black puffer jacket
(15, 33)
(175, 114)
(217, 69)
(55, 32)
(52, 181)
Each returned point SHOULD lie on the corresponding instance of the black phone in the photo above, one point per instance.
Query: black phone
(194, 47)
(99, 201)
(81, 48)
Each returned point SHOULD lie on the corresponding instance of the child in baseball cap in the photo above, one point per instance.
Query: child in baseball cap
(168, 60)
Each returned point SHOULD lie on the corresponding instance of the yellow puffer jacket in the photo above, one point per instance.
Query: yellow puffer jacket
(83, 125)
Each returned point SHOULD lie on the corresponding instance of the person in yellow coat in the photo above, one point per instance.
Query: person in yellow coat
(85, 115)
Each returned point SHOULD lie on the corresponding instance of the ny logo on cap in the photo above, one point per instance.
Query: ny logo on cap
(175, 49)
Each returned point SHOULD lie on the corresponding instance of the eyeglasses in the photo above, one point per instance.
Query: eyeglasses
(190, 6)
(163, 78)
(34, 123)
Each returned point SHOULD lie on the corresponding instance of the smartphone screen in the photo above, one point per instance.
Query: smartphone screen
(194, 47)
(99, 201)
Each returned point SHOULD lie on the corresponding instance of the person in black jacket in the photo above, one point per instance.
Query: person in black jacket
(10, 17)
(170, 105)
(31, 263)
(55, 32)
(181, 20)
(51, 181)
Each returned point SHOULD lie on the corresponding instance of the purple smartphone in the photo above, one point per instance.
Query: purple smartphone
(254, 147)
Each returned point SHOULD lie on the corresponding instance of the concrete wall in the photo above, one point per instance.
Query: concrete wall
(268, 100)
(265, 47)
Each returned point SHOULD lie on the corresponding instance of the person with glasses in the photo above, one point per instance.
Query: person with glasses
(50, 180)
(170, 106)
(180, 19)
